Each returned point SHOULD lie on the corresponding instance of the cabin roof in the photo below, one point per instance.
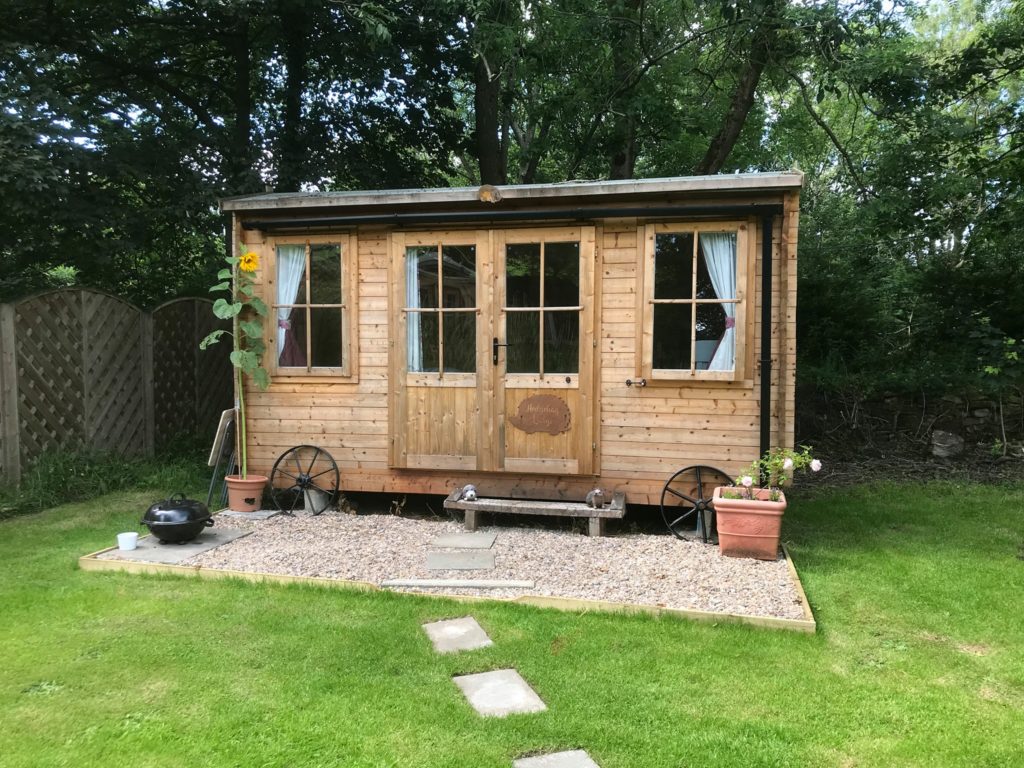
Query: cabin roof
(593, 191)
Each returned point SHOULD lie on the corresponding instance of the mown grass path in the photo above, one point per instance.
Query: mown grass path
(919, 660)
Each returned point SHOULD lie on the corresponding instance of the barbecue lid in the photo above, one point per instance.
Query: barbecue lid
(176, 509)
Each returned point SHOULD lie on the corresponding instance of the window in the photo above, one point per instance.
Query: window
(542, 307)
(311, 307)
(441, 308)
(695, 275)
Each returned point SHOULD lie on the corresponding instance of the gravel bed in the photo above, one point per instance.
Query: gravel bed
(640, 569)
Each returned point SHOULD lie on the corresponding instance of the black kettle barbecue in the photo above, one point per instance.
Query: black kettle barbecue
(177, 520)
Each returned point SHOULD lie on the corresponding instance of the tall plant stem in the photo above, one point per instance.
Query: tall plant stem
(236, 345)
(241, 425)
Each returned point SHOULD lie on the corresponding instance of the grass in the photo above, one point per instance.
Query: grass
(917, 662)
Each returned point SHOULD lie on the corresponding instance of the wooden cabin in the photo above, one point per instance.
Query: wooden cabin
(535, 340)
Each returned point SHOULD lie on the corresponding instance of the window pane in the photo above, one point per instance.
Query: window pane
(325, 274)
(326, 338)
(716, 349)
(561, 275)
(523, 337)
(716, 265)
(522, 275)
(459, 275)
(421, 276)
(291, 274)
(291, 337)
(460, 342)
(422, 335)
(673, 266)
(672, 334)
(561, 342)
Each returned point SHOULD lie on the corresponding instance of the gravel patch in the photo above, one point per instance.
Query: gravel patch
(640, 569)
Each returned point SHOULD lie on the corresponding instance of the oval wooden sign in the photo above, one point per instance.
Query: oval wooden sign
(542, 413)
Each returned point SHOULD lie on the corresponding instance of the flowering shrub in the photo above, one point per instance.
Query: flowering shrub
(773, 471)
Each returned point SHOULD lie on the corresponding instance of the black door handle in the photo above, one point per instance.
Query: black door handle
(494, 349)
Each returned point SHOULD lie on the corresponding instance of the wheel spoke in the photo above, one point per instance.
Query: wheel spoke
(295, 457)
(286, 473)
(295, 499)
(682, 496)
(679, 519)
(318, 474)
(313, 461)
(700, 485)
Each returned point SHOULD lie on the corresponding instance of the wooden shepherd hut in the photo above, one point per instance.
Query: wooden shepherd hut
(535, 340)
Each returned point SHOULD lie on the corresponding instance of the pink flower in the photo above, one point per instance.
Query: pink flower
(787, 464)
(747, 481)
(815, 465)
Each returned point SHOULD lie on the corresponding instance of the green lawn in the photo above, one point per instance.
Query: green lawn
(919, 659)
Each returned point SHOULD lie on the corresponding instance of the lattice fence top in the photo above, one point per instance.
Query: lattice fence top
(80, 369)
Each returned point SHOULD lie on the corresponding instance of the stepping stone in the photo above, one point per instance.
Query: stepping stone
(478, 540)
(577, 758)
(467, 560)
(150, 550)
(499, 693)
(455, 635)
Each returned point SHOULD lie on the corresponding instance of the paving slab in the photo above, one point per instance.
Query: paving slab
(478, 540)
(259, 514)
(499, 693)
(150, 550)
(453, 635)
(465, 560)
(576, 758)
(459, 583)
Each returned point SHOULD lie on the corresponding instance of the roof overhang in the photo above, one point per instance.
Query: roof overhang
(520, 195)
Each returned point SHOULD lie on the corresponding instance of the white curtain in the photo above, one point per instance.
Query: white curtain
(412, 300)
(720, 257)
(291, 267)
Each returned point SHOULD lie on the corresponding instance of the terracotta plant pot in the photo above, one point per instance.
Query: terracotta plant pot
(245, 494)
(749, 527)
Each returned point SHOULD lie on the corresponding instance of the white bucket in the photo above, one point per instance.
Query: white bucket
(127, 541)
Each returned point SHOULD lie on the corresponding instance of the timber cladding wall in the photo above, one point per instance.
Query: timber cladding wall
(82, 370)
(641, 435)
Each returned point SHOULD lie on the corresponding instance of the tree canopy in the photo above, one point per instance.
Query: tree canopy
(122, 122)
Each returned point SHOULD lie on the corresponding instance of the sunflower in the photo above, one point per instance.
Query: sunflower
(249, 262)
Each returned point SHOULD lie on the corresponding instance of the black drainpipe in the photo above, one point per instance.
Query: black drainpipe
(766, 333)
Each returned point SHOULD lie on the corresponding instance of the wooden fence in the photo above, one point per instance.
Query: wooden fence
(83, 370)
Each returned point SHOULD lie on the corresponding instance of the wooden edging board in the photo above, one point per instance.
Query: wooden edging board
(807, 624)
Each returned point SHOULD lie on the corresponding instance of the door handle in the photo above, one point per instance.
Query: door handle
(494, 349)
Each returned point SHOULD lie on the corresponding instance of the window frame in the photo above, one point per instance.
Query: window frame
(400, 242)
(349, 309)
(543, 236)
(744, 257)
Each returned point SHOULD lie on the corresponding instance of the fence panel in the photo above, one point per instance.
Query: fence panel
(82, 369)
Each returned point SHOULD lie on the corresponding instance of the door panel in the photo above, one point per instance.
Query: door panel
(545, 320)
(439, 356)
(519, 396)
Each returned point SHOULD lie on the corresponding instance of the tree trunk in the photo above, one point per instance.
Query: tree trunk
(743, 96)
(292, 165)
(487, 107)
(241, 177)
(622, 147)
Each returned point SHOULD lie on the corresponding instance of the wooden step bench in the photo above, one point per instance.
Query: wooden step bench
(616, 510)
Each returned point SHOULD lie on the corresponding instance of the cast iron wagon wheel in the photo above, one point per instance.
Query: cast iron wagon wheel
(686, 499)
(304, 473)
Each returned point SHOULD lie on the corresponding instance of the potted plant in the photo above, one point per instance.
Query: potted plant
(750, 518)
(246, 311)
